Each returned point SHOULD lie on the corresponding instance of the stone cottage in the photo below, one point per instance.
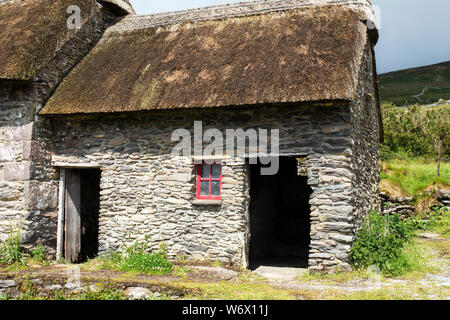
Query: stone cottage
(88, 115)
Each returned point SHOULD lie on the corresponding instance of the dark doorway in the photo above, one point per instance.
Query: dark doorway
(279, 217)
(82, 205)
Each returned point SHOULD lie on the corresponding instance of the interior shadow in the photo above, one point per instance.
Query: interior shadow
(279, 217)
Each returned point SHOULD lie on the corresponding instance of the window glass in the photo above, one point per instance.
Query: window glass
(216, 171)
(204, 191)
(206, 170)
(209, 178)
(215, 188)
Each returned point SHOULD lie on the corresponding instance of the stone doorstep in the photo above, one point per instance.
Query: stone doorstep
(280, 273)
(217, 272)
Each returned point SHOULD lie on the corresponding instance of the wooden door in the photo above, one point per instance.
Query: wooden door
(73, 216)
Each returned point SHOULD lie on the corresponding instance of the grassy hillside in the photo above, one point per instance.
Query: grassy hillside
(423, 85)
(402, 178)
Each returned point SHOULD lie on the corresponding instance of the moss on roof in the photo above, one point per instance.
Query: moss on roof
(31, 31)
(294, 56)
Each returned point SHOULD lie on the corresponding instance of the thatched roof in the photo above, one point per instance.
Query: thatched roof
(32, 31)
(296, 55)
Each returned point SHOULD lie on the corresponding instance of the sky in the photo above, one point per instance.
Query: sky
(412, 32)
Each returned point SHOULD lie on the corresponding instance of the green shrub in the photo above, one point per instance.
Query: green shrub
(381, 241)
(413, 132)
(111, 260)
(38, 254)
(137, 259)
(10, 251)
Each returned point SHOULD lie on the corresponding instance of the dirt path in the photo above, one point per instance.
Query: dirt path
(426, 286)
(289, 283)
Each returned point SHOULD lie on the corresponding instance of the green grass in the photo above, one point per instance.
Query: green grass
(438, 248)
(245, 288)
(400, 87)
(15, 257)
(413, 176)
(414, 261)
(249, 286)
(422, 259)
(156, 263)
(181, 271)
(103, 293)
(439, 222)
(134, 259)
(5, 296)
(335, 278)
(11, 253)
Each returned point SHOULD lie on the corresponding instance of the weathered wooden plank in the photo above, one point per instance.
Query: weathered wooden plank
(73, 216)
(61, 213)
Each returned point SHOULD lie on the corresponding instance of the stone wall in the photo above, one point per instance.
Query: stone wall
(16, 129)
(366, 142)
(405, 206)
(348, 188)
(146, 194)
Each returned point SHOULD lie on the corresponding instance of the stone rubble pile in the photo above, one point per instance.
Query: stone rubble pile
(404, 206)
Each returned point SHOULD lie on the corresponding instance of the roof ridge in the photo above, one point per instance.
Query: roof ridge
(238, 9)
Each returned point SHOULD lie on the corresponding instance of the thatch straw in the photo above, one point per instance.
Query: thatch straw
(300, 55)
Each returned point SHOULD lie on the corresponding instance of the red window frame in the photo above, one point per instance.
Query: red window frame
(210, 179)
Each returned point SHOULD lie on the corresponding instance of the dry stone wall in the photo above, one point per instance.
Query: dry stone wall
(147, 195)
(405, 206)
(348, 188)
(366, 137)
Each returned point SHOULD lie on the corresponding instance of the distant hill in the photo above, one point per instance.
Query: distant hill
(423, 85)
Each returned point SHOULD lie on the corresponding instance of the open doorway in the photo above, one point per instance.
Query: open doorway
(81, 211)
(279, 217)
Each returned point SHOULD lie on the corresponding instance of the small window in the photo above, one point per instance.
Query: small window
(209, 181)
